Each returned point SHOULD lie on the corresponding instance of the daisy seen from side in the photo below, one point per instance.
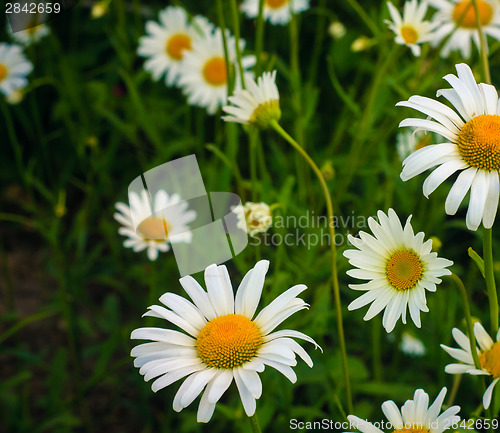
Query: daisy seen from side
(167, 41)
(222, 340)
(411, 29)
(154, 224)
(398, 266)
(488, 353)
(415, 416)
(257, 105)
(471, 146)
(275, 11)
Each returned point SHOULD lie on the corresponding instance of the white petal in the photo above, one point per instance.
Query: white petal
(250, 289)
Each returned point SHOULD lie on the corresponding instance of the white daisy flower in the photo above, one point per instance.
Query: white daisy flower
(489, 357)
(415, 415)
(167, 42)
(204, 75)
(225, 340)
(399, 267)
(257, 105)
(461, 13)
(411, 29)
(30, 35)
(411, 345)
(14, 67)
(471, 146)
(154, 225)
(253, 217)
(275, 11)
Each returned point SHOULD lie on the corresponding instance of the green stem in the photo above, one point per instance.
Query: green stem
(236, 24)
(259, 38)
(377, 349)
(483, 45)
(335, 281)
(364, 16)
(254, 421)
(470, 328)
(253, 162)
(490, 278)
(222, 25)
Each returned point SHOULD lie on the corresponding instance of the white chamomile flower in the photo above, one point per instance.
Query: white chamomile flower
(253, 217)
(204, 77)
(458, 18)
(154, 224)
(30, 35)
(222, 339)
(411, 345)
(471, 146)
(257, 105)
(489, 357)
(399, 267)
(167, 42)
(275, 11)
(411, 29)
(14, 67)
(415, 416)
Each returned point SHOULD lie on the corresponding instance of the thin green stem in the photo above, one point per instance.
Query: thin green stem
(254, 421)
(472, 339)
(253, 162)
(483, 45)
(259, 38)
(236, 25)
(222, 25)
(468, 318)
(490, 278)
(335, 281)
(364, 16)
(377, 350)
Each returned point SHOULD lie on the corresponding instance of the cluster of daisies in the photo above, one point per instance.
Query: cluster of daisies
(221, 337)
(454, 23)
(14, 65)
(193, 54)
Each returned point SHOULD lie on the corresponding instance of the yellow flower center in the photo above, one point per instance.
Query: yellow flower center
(464, 14)
(154, 228)
(177, 44)
(409, 34)
(3, 72)
(275, 4)
(479, 142)
(490, 360)
(228, 341)
(404, 270)
(214, 71)
(415, 429)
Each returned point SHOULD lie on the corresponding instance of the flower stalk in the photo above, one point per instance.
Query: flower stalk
(335, 281)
